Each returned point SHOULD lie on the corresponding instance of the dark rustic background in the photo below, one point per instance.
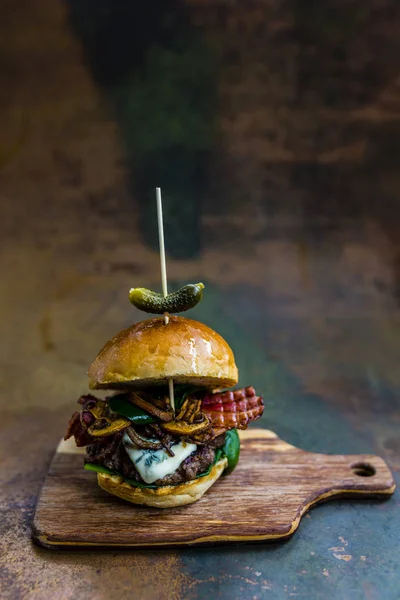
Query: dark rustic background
(273, 128)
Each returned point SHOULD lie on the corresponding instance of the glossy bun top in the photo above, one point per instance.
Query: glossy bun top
(151, 352)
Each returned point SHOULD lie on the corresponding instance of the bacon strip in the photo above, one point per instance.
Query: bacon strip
(80, 421)
(76, 429)
(235, 409)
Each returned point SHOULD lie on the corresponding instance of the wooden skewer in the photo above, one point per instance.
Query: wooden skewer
(164, 277)
(162, 248)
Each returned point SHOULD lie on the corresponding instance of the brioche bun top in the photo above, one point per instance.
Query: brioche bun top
(150, 352)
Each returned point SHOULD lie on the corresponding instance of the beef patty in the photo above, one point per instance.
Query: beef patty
(113, 456)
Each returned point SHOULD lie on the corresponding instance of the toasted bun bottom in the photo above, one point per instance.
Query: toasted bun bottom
(167, 496)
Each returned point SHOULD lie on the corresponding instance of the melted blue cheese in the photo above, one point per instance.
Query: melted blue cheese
(156, 464)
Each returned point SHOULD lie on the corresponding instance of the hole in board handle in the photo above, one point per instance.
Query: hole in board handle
(363, 469)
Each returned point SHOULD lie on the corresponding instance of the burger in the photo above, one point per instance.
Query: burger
(151, 447)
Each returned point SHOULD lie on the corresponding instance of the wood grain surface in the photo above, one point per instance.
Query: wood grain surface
(264, 499)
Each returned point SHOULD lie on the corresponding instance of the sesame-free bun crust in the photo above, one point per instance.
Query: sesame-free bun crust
(167, 496)
(151, 352)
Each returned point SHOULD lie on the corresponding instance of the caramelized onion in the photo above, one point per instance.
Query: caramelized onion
(142, 442)
(164, 438)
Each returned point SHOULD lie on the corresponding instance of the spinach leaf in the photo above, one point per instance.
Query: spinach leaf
(98, 469)
(121, 404)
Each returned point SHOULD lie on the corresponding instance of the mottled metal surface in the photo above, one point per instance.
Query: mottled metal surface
(296, 237)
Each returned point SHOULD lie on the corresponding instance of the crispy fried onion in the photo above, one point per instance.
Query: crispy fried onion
(161, 409)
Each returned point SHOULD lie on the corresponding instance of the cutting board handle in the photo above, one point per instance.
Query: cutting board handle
(346, 475)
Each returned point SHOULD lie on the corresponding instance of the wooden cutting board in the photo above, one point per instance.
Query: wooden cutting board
(264, 499)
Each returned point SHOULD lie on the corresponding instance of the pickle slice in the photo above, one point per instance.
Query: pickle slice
(152, 302)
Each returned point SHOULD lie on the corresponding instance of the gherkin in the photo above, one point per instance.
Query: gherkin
(152, 302)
